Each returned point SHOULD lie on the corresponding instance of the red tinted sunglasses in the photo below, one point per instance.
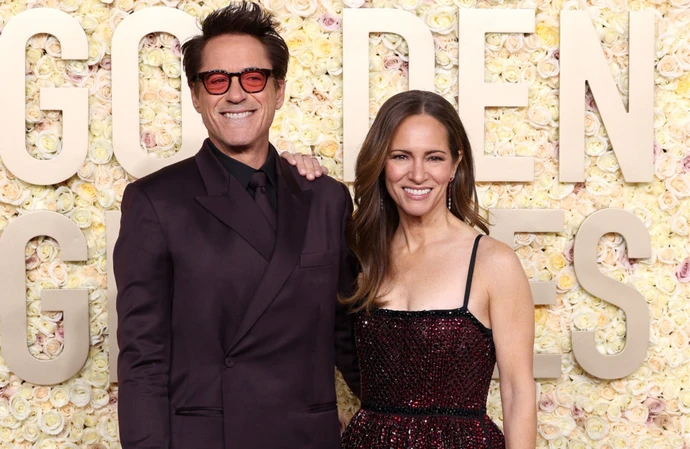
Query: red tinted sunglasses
(217, 82)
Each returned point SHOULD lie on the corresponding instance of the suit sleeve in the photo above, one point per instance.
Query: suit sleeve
(143, 272)
(345, 351)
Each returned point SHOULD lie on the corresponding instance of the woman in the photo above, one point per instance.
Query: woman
(427, 351)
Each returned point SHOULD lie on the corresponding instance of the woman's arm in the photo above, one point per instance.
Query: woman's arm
(511, 310)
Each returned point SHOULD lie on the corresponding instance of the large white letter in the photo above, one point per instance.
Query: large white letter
(620, 295)
(126, 134)
(74, 103)
(631, 132)
(112, 230)
(474, 94)
(357, 24)
(506, 222)
(73, 303)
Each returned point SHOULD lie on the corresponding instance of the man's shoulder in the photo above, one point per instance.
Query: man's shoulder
(174, 178)
(325, 185)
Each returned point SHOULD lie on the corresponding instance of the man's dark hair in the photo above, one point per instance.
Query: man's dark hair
(238, 18)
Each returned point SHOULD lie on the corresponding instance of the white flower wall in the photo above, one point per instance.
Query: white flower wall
(647, 409)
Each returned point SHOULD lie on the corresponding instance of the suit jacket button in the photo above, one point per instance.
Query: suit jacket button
(229, 362)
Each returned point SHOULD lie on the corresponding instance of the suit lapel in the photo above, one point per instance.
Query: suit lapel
(293, 213)
(232, 205)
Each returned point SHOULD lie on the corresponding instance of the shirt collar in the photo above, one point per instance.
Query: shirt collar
(243, 172)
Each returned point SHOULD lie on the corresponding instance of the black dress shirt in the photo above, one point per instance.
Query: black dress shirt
(243, 172)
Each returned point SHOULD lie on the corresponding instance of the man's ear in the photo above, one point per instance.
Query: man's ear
(280, 93)
(195, 97)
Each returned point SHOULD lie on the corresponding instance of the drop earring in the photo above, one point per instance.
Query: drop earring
(450, 193)
(381, 198)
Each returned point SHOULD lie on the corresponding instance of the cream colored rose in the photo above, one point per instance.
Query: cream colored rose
(108, 428)
(668, 67)
(548, 68)
(99, 398)
(514, 42)
(445, 80)
(302, 8)
(577, 444)
(59, 396)
(100, 151)
(528, 73)
(548, 431)
(82, 217)
(299, 88)
(539, 117)
(165, 139)
(328, 148)
(33, 54)
(80, 393)
(168, 95)
(44, 67)
(494, 65)
(33, 112)
(297, 41)
(19, 407)
(52, 348)
(48, 144)
(511, 73)
(548, 35)
(441, 20)
(323, 47)
(592, 123)
(51, 422)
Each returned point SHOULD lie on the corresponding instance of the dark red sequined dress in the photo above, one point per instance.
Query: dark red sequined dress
(425, 380)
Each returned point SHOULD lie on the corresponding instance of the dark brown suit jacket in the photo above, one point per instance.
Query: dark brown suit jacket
(192, 245)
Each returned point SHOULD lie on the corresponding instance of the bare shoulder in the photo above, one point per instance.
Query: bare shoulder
(498, 261)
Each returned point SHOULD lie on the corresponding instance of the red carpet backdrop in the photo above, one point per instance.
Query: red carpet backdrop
(579, 116)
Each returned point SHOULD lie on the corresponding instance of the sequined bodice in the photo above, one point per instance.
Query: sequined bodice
(431, 361)
(425, 380)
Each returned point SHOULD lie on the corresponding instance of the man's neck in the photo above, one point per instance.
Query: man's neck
(253, 156)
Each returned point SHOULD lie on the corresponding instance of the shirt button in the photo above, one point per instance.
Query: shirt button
(229, 362)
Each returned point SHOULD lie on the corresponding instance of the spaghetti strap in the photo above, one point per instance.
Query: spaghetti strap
(470, 272)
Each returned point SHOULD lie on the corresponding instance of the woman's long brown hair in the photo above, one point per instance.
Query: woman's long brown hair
(371, 229)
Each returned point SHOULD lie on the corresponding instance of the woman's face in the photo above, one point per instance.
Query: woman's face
(419, 166)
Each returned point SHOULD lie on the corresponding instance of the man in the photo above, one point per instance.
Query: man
(228, 265)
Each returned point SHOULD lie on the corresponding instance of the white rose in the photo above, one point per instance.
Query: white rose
(172, 68)
(668, 67)
(51, 422)
(30, 431)
(80, 393)
(52, 347)
(595, 145)
(48, 144)
(19, 407)
(299, 88)
(441, 20)
(82, 217)
(548, 67)
(108, 428)
(33, 112)
(165, 139)
(302, 8)
(45, 67)
(100, 151)
(514, 42)
(539, 117)
(409, 5)
(99, 398)
(549, 431)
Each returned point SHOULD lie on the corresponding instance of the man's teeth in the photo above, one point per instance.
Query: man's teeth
(417, 191)
(237, 114)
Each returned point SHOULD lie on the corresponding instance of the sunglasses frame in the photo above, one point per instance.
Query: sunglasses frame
(201, 76)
